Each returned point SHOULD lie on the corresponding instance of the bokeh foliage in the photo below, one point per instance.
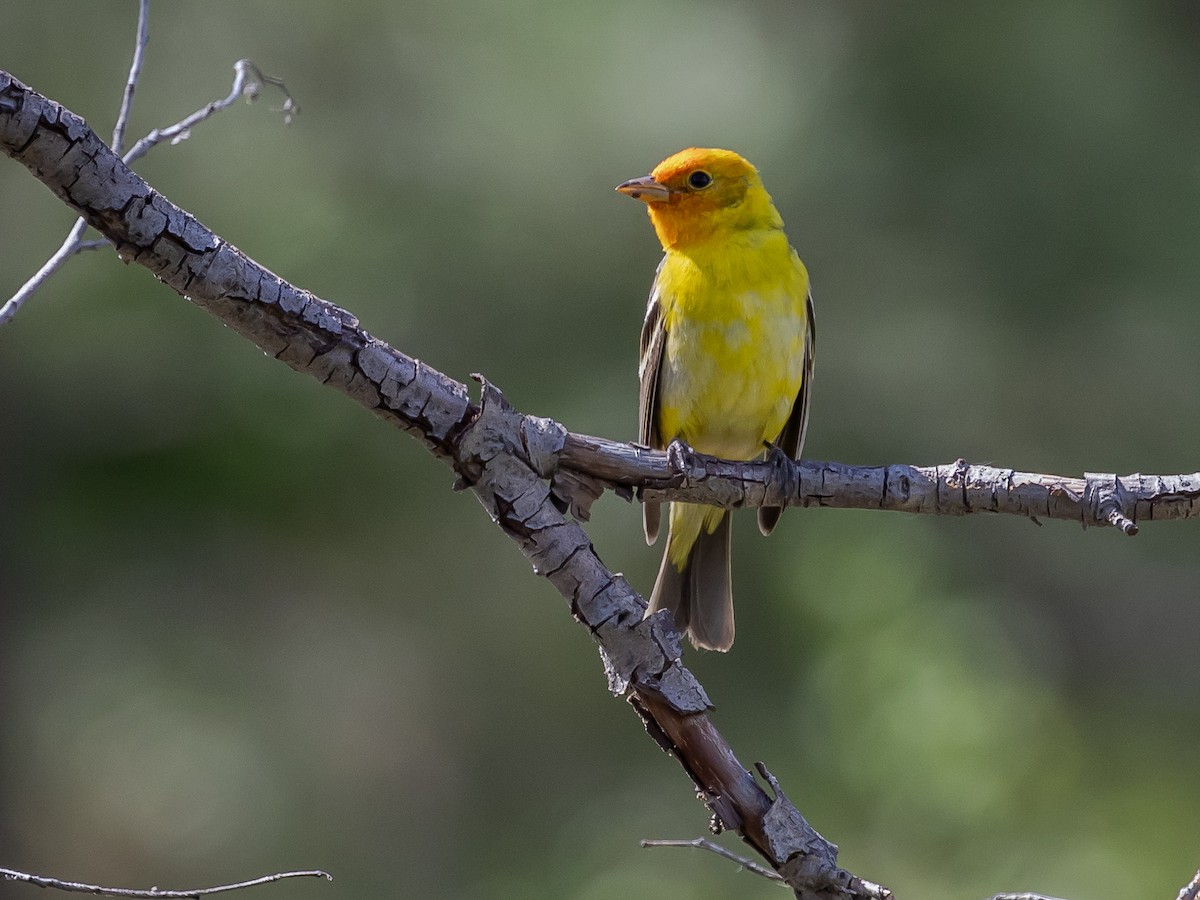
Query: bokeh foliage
(246, 627)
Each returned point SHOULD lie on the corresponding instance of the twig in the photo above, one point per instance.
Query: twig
(77, 887)
(135, 72)
(247, 81)
(1023, 897)
(705, 844)
(70, 246)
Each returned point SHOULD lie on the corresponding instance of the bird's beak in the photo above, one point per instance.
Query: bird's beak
(645, 189)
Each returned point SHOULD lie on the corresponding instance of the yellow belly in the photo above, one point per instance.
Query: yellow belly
(730, 372)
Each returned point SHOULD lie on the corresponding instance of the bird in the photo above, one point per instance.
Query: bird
(726, 361)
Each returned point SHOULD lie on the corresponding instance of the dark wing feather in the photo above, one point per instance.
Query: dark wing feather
(654, 337)
(791, 439)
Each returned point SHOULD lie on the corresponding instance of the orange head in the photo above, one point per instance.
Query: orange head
(699, 195)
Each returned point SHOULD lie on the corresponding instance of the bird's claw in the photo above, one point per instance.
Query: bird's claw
(778, 457)
(784, 465)
(680, 457)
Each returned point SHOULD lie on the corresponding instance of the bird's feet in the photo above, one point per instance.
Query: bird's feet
(784, 466)
(777, 456)
(681, 458)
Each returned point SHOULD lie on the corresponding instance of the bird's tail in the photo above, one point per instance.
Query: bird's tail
(697, 589)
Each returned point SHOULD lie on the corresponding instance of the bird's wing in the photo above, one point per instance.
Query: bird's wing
(791, 439)
(654, 338)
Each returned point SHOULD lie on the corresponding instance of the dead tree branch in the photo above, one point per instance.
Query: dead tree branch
(954, 489)
(78, 887)
(506, 458)
(503, 456)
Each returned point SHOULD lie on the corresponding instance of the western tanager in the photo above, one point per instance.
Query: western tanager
(726, 360)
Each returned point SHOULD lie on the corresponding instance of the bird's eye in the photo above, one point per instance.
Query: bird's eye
(699, 179)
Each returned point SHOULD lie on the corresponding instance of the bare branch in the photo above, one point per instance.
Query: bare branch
(70, 246)
(247, 82)
(77, 887)
(135, 72)
(705, 844)
(954, 489)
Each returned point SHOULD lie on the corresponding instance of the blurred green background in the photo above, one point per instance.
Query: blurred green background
(247, 627)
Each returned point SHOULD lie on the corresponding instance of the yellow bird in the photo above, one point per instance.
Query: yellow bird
(726, 360)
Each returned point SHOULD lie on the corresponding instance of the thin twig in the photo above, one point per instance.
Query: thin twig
(247, 81)
(1023, 897)
(77, 887)
(705, 844)
(70, 246)
(135, 72)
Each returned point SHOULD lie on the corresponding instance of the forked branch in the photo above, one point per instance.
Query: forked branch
(508, 460)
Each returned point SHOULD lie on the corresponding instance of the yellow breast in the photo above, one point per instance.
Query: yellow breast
(734, 355)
